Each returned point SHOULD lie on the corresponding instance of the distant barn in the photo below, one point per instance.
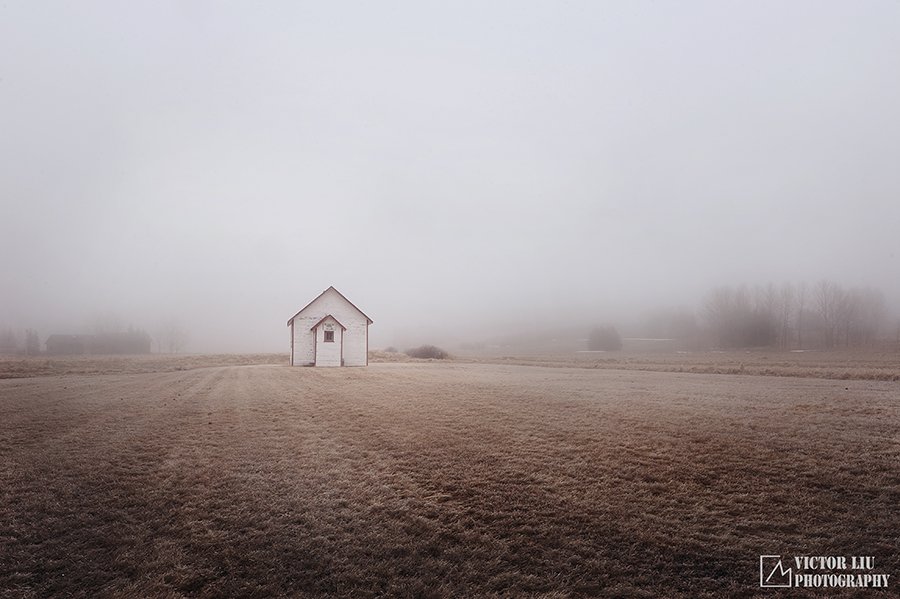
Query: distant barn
(132, 342)
(136, 342)
(68, 345)
(330, 331)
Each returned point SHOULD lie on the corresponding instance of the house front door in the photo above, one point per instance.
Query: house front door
(329, 342)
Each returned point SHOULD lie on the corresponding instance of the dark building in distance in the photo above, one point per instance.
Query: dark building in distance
(104, 343)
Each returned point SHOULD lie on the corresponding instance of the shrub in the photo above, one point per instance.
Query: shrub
(427, 352)
(604, 339)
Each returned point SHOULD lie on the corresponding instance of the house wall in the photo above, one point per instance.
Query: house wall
(355, 337)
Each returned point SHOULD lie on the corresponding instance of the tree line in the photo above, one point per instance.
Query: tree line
(9, 342)
(170, 336)
(795, 316)
(823, 315)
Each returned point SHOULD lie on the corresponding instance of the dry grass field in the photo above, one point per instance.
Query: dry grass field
(839, 365)
(436, 480)
(12, 366)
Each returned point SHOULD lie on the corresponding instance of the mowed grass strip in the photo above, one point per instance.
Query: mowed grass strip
(437, 480)
(857, 364)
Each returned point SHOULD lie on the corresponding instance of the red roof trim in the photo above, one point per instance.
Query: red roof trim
(370, 321)
(324, 318)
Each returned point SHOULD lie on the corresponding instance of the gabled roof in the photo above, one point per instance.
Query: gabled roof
(324, 318)
(369, 320)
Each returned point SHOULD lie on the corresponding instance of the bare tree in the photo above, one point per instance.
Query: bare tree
(829, 297)
(172, 336)
(32, 342)
(719, 310)
(672, 323)
(785, 309)
(765, 299)
(845, 317)
(738, 322)
(801, 306)
(873, 314)
(861, 316)
(9, 344)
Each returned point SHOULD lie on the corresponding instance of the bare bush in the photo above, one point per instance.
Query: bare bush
(427, 352)
(605, 338)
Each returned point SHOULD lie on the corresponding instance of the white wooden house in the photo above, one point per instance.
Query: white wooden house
(330, 331)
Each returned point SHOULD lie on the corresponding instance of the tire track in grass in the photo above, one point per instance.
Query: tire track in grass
(403, 480)
(76, 495)
(395, 430)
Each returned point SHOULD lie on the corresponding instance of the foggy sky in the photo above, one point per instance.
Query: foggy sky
(464, 167)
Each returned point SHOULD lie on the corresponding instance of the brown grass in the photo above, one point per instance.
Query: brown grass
(837, 365)
(437, 480)
(14, 366)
